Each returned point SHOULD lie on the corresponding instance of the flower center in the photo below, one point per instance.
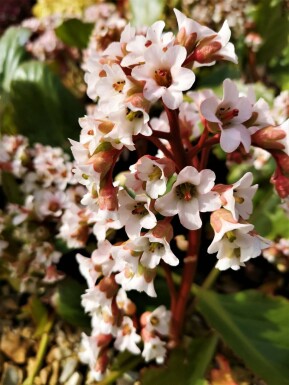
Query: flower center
(227, 114)
(155, 174)
(231, 236)
(186, 191)
(139, 209)
(163, 77)
(154, 321)
(118, 86)
(155, 246)
(131, 115)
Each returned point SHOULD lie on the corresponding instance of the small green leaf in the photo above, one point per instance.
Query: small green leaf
(75, 33)
(184, 367)
(45, 110)
(67, 303)
(255, 327)
(12, 53)
(146, 12)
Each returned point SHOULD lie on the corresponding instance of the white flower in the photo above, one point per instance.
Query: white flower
(152, 250)
(164, 75)
(159, 321)
(207, 44)
(229, 114)
(190, 195)
(140, 43)
(151, 171)
(154, 349)
(234, 243)
(112, 88)
(127, 338)
(238, 197)
(135, 213)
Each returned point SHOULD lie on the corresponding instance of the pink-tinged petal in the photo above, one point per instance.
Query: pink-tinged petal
(189, 214)
(188, 174)
(149, 221)
(231, 93)
(208, 109)
(184, 78)
(175, 56)
(172, 99)
(133, 227)
(167, 205)
(181, 18)
(209, 202)
(170, 258)
(142, 72)
(153, 56)
(207, 181)
(225, 33)
(155, 31)
(230, 139)
(153, 92)
(245, 110)
(245, 137)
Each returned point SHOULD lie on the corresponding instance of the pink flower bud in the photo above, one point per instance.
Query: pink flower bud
(107, 198)
(163, 229)
(109, 286)
(206, 52)
(269, 138)
(217, 217)
(282, 160)
(281, 183)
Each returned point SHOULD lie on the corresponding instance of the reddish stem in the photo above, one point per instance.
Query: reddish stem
(178, 313)
(175, 138)
(161, 146)
(170, 284)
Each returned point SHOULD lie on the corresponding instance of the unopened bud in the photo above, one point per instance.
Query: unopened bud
(109, 286)
(206, 51)
(218, 216)
(107, 199)
(281, 183)
(269, 138)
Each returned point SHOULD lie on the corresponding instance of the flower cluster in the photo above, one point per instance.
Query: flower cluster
(169, 186)
(44, 203)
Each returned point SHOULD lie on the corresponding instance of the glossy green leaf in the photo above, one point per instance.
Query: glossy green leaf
(255, 327)
(184, 367)
(67, 303)
(12, 53)
(146, 12)
(45, 110)
(75, 33)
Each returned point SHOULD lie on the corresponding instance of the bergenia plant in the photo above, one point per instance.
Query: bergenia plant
(168, 189)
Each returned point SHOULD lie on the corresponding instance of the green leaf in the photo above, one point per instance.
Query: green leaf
(184, 367)
(45, 110)
(75, 33)
(12, 53)
(255, 327)
(272, 23)
(67, 303)
(268, 217)
(146, 12)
